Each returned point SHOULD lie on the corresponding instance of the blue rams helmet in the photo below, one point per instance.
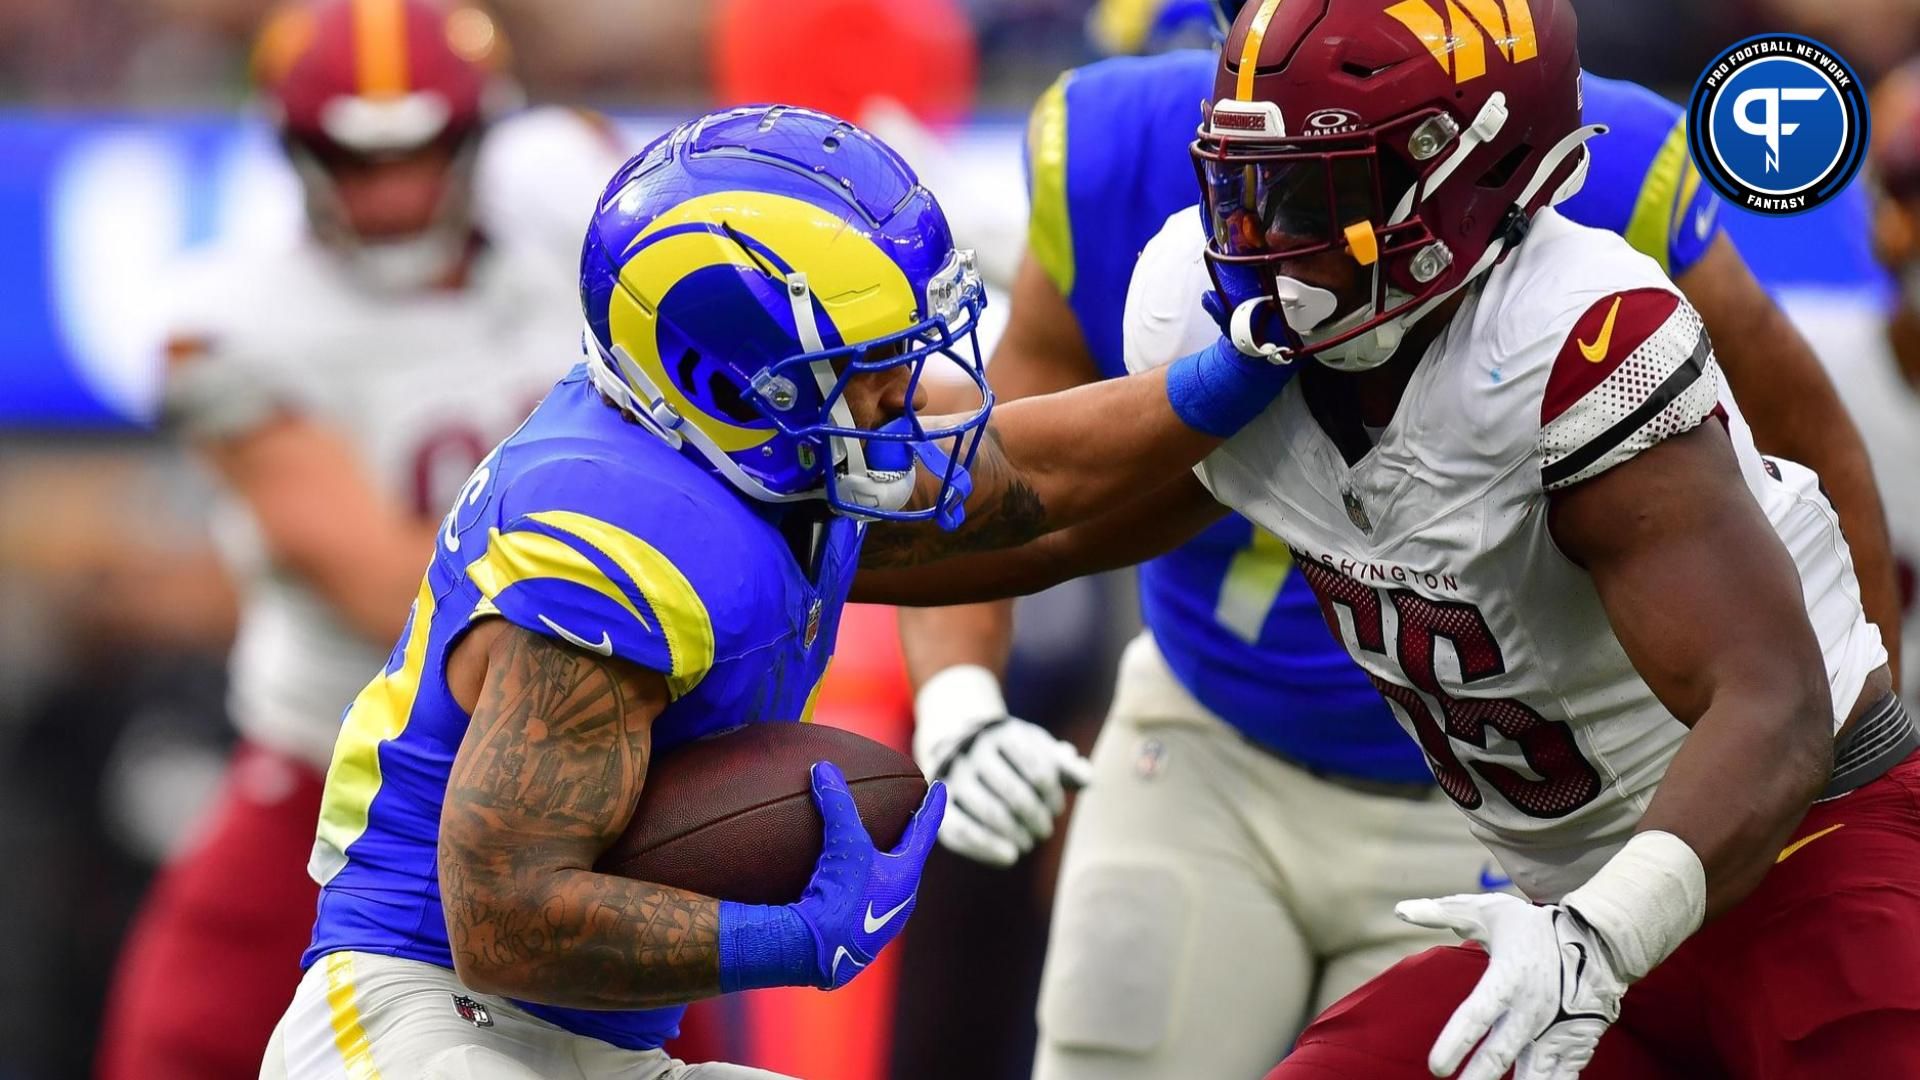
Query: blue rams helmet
(744, 268)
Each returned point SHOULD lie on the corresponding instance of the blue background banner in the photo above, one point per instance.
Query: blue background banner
(94, 208)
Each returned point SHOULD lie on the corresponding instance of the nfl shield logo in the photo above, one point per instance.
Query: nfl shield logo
(1356, 513)
(472, 1011)
(813, 626)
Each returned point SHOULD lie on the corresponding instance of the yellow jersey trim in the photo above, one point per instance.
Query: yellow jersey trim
(1658, 209)
(514, 557)
(378, 715)
(1049, 222)
(683, 616)
(1252, 585)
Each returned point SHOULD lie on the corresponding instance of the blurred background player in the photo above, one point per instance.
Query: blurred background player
(1237, 717)
(341, 388)
(1874, 354)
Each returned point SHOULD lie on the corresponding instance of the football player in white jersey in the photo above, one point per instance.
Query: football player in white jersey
(342, 388)
(1631, 647)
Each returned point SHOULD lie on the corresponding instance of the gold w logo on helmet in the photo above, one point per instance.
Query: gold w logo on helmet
(1457, 32)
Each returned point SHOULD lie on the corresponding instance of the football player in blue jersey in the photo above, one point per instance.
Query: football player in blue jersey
(661, 552)
(1236, 716)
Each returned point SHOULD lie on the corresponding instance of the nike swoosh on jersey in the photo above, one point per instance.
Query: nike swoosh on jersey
(873, 925)
(1704, 221)
(1788, 852)
(604, 646)
(839, 954)
(1492, 880)
(1597, 351)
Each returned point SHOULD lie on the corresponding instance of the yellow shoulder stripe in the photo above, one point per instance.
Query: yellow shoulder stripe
(1049, 224)
(378, 715)
(513, 557)
(1122, 26)
(1654, 215)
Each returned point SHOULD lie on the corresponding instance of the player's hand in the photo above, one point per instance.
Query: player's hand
(1549, 992)
(860, 897)
(1008, 778)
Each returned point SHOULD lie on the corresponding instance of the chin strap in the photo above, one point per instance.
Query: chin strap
(1556, 157)
(619, 378)
(1377, 348)
(850, 472)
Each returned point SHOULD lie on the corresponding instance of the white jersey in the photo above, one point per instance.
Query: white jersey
(423, 384)
(1852, 342)
(1432, 557)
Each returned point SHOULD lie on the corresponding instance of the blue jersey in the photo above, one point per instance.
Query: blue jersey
(589, 529)
(1108, 163)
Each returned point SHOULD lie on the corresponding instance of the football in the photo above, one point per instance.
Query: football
(732, 816)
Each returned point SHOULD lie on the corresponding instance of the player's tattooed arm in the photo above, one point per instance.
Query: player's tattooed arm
(1048, 463)
(546, 778)
(1005, 512)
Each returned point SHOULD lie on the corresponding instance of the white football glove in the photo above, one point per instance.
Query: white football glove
(1548, 994)
(1006, 779)
(1556, 973)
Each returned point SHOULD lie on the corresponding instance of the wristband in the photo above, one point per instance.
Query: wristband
(763, 946)
(1218, 390)
(955, 701)
(1644, 902)
(961, 694)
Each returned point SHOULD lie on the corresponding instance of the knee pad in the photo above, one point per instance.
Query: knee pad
(1115, 958)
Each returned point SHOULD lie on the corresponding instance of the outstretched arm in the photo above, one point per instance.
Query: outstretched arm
(1132, 533)
(546, 778)
(1050, 462)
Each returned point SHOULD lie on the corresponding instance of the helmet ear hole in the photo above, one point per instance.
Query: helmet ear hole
(1502, 172)
(728, 399)
(722, 394)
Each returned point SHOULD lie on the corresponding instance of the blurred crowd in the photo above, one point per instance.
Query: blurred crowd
(147, 53)
(115, 613)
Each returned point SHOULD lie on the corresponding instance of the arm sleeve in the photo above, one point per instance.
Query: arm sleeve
(556, 568)
(1637, 369)
(1164, 319)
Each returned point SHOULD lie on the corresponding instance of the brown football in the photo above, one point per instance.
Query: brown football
(732, 816)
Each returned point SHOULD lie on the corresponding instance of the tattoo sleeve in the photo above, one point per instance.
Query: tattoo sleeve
(1005, 512)
(547, 776)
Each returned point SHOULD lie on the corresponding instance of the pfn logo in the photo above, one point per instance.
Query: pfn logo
(1778, 124)
(1457, 32)
(1769, 127)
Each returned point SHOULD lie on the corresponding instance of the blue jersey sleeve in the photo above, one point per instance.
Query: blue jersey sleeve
(1107, 164)
(615, 576)
(1643, 184)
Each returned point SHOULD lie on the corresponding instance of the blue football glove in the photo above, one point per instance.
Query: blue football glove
(858, 901)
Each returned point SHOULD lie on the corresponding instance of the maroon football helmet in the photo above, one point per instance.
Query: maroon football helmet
(1418, 137)
(356, 84)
